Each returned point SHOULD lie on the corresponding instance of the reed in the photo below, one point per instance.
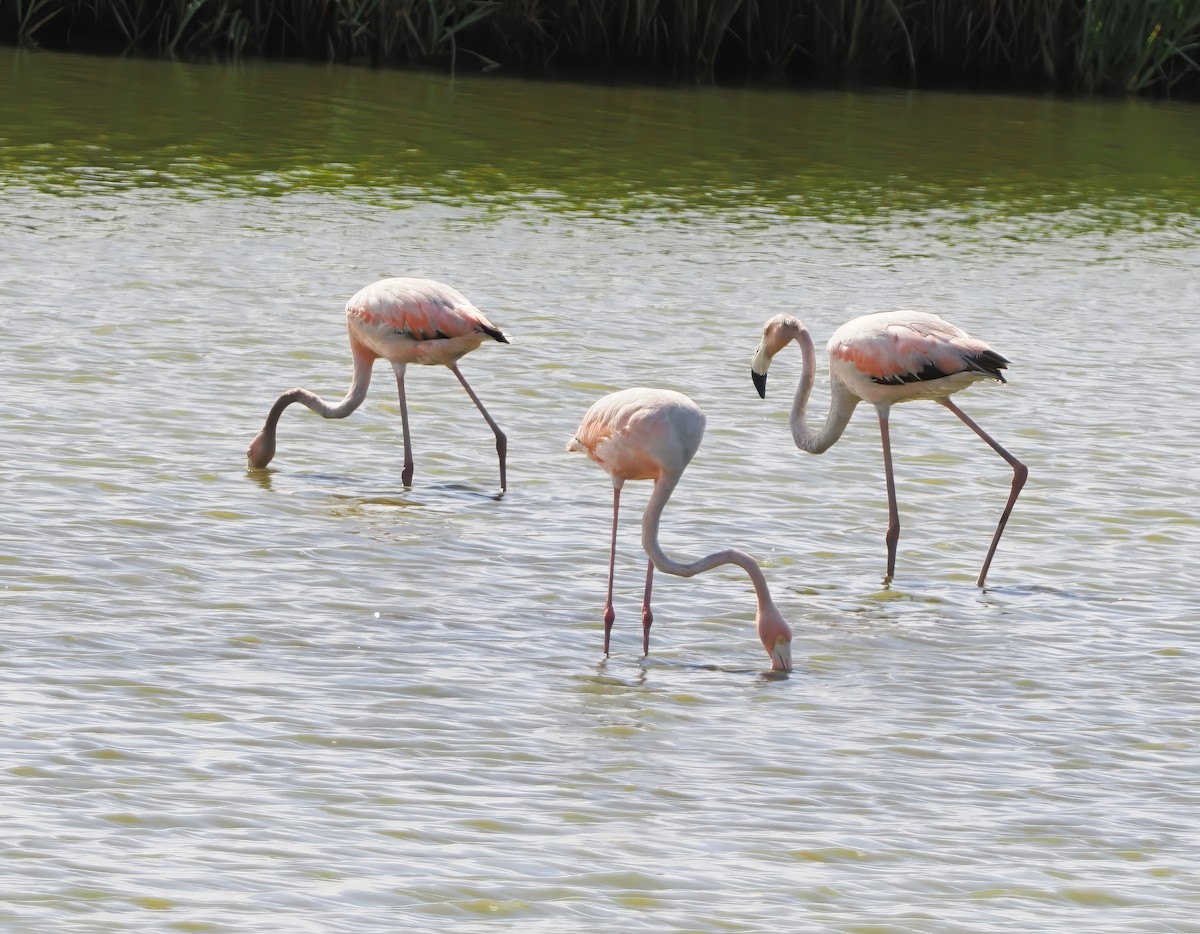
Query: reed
(1164, 34)
(1087, 46)
(31, 15)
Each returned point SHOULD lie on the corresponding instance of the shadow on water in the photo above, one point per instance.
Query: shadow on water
(606, 678)
(646, 664)
(265, 478)
(937, 592)
(260, 476)
(892, 594)
(423, 495)
(1017, 593)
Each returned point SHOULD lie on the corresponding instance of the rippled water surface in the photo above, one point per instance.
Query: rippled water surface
(309, 699)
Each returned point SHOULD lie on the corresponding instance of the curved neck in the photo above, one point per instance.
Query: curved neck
(663, 487)
(363, 361)
(841, 404)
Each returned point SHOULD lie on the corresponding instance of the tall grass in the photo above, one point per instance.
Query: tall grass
(1167, 40)
(1081, 45)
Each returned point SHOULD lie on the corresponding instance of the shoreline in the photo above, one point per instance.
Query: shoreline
(1106, 48)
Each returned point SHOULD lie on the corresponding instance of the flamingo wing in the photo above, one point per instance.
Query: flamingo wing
(894, 348)
(607, 434)
(420, 310)
(635, 434)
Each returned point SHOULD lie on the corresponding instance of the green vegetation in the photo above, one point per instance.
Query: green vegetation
(1076, 45)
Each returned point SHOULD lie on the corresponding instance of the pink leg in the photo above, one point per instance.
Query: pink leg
(501, 440)
(647, 616)
(609, 613)
(1020, 475)
(407, 473)
(893, 531)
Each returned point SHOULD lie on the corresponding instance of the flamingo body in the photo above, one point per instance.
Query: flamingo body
(899, 356)
(637, 433)
(883, 359)
(652, 434)
(402, 320)
(417, 321)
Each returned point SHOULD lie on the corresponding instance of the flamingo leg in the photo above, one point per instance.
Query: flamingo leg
(1020, 475)
(647, 615)
(609, 613)
(893, 530)
(501, 440)
(407, 473)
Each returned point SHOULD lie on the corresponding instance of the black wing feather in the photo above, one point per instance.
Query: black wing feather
(989, 362)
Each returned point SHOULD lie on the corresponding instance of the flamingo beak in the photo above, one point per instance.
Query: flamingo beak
(758, 368)
(781, 655)
(260, 452)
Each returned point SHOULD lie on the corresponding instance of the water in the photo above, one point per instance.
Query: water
(308, 699)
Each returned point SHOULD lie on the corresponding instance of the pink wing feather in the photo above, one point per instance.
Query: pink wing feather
(906, 347)
(420, 309)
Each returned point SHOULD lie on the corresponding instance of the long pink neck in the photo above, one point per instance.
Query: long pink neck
(354, 397)
(841, 404)
(663, 487)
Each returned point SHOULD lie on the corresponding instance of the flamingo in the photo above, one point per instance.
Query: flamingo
(652, 434)
(884, 358)
(404, 321)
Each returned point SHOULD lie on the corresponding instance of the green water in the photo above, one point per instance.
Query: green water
(73, 123)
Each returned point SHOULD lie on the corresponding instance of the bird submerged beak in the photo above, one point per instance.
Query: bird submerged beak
(260, 452)
(781, 655)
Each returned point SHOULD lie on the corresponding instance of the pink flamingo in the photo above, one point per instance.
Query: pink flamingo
(652, 434)
(889, 357)
(404, 321)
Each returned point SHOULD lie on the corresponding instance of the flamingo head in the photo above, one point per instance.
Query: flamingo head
(778, 332)
(776, 637)
(260, 451)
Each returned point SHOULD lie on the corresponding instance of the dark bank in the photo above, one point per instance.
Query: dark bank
(1062, 46)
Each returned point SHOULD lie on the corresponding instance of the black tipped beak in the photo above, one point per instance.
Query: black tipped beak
(760, 383)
